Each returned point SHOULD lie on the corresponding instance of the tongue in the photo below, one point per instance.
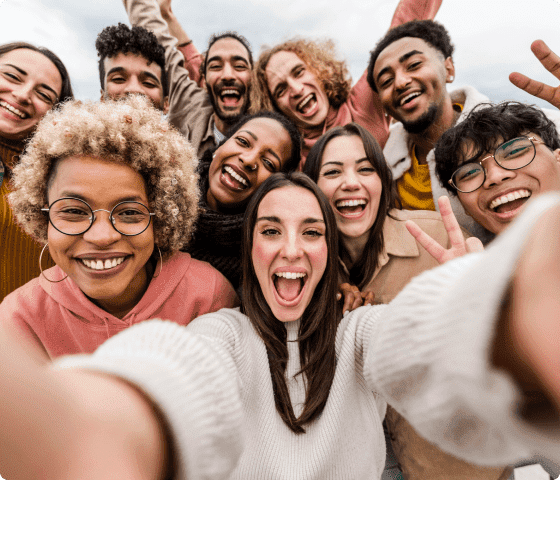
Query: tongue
(510, 206)
(229, 100)
(288, 290)
(350, 209)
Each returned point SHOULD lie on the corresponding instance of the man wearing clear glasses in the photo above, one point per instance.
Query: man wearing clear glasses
(497, 159)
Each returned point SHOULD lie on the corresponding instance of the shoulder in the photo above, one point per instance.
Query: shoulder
(429, 221)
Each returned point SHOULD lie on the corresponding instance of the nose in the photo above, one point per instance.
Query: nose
(292, 249)
(102, 232)
(250, 160)
(402, 79)
(350, 181)
(227, 72)
(495, 174)
(23, 92)
(295, 87)
(133, 85)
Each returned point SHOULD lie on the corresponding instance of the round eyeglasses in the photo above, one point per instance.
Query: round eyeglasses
(73, 216)
(513, 154)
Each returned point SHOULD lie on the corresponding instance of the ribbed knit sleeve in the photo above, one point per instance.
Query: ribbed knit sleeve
(191, 383)
(428, 354)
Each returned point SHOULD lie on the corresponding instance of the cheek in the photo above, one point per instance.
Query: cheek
(320, 256)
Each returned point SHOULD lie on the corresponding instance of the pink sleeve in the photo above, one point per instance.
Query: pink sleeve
(193, 60)
(363, 103)
(224, 294)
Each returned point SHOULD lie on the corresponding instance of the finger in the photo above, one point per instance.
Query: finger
(547, 57)
(358, 301)
(474, 245)
(430, 244)
(536, 88)
(368, 297)
(450, 222)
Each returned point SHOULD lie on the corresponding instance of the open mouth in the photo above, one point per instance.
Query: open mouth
(230, 97)
(509, 202)
(352, 207)
(13, 110)
(408, 98)
(234, 179)
(102, 264)
(308, 105)
(289, 285)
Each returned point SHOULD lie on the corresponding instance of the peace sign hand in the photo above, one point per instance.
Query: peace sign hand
(459, 245)
(551, 61)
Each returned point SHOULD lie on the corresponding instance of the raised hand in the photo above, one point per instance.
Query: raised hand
(459, 245)
(551, 61)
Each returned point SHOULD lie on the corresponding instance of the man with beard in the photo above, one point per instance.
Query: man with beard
(409, 69)
(202, 104)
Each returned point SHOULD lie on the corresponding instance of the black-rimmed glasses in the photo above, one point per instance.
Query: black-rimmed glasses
(513, 154)
(73, 216)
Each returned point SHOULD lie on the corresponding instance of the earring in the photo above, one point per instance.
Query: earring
(41, 268)
(161, 264)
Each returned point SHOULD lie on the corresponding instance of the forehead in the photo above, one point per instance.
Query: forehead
(290, 203)
(270, 133)
(97, 180)
(281, 64)
(392, 54)
(344, 147)
(228, 47)
(132, 63)
(36, 65)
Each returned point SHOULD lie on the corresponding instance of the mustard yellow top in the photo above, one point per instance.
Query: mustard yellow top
(19, 254)
(415, 186)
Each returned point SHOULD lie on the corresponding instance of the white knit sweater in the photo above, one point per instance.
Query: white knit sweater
(425, 354)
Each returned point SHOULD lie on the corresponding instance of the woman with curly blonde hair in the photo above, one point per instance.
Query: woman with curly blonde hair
(112, 191)
(304, 80)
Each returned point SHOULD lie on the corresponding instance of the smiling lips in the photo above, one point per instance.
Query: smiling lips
(307, 105)
(102, 264)
(239, 182)
(509, 202)
(13, 110)
(289, 286)
(351, 207)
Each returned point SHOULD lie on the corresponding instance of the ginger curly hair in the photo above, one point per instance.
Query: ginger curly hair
(128, 131)
(320, 58)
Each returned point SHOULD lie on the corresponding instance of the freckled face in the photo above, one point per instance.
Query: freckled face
(261, 147)
(110, 268)
(30, 84)
(296, 90)
(353, 187)
(289, 250)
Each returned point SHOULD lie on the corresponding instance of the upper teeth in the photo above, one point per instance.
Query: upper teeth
(12, 109)
(510, 197)
(355, 202)
(230, 92)
(103, 265)
(236, 176)
(302, 104)
(290, 275)
(409, 97)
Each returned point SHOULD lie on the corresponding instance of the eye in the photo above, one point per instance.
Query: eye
(242, 141)
(11, 76)
(366, 170)
(279, 92)
(331, 173)
(270, 232)
(313, 233)
(150, 85)
(45, 97)
(241, 67)
(117, 79)
(414, 65)
(269, 165)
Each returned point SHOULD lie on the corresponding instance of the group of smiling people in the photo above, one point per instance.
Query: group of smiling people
(253, 368)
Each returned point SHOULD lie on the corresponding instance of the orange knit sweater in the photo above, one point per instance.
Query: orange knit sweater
(19, 254)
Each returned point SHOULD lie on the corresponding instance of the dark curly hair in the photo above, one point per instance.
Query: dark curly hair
(487, 126)
(429, 31)
(117, 39)
(225, 35)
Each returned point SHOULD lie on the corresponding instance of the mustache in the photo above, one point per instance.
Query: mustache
(219, 87)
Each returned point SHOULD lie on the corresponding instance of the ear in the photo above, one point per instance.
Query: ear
(557, 154)
(102, 95)
(449, 69)
(165, 108)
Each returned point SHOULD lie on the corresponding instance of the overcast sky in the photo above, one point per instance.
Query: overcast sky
(491, 37)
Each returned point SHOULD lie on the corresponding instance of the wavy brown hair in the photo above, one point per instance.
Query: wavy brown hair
(128, 131)
(363, 269)
(319, 57)
(317, 331)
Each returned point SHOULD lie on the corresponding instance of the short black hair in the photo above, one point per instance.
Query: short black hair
(487, 126)
(429, 31)
(117, 39)
(225, 35)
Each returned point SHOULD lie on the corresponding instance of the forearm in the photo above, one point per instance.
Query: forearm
(175, 28)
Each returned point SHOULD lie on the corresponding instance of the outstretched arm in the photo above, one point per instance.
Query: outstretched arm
(459, 245)
(551, 61)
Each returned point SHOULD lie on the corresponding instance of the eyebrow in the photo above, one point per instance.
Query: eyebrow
(402, 59)
(277, 220)
(255, 137)
(117, 69)
(235, 58)
(21, 71)
(341, 163)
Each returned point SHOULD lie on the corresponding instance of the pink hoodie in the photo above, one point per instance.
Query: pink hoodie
(62, 320)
